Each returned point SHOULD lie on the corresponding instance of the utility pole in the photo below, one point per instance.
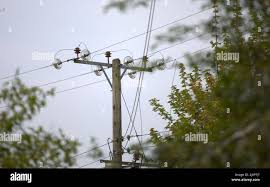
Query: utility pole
(116, 100)
(117, 120)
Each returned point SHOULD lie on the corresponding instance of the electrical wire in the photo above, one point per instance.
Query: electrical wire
(174, 72)
(65, 79)
(83, 74)
(117, 43)
(159, 52)
(109, 142)
(82, 86)
(87, 73)
(141, 135)
(172, 61)
(70, 89)
(77, 155)
(96, 82)
(145, 53)
(25, 72)
(139, 87)
(141, 120)
(91, 163)
(197, 51)
(130, 117)
(179, 43)
(155, 29)
(29, 71)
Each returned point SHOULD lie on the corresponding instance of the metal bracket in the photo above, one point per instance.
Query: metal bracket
(106, 76)
(125, 70)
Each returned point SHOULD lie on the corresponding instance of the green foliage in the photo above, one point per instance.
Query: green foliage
(201, 104)
(38, 148)
(97, 152)
(123, 5)
(22, 103)
(233, 137)
(191, 109)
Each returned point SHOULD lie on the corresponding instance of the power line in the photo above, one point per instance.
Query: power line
(29, 71)
(141, 120)
(87, 73)
(96, 82)
(65, 79)
(105, 144)
(82, 86)
(200, 50)
(158, 52)
(149, 27)
(25, 72)
(125, 104)
(141, 135)
(90, 150)
(70, 89)
(91, 163)
(140, 86)
(174, 73)
(157, 28)
(130, 117)
(109, 142)
(174, 45)
(169, 62)
(114, 44)
(145, 53)
(110, 153)
(93, 149)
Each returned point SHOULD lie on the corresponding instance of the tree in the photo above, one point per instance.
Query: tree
(229, 105)
(38, 148)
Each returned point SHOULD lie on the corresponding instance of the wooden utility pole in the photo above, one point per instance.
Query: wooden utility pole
(117, 120)
(116, 100)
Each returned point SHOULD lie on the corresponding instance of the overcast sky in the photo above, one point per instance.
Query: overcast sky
(29, 26)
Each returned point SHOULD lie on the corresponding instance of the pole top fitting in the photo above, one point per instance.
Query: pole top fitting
(116, 60)
(77, 51)
(108, 54)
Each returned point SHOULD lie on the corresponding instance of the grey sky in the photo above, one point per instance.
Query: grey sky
(47, 26)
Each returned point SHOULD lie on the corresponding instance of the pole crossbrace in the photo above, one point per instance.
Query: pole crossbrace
(110, 163)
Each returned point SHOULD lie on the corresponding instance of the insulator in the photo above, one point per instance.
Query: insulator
(57, 64)
(128, 60)
(85, 53)
(132, 75)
